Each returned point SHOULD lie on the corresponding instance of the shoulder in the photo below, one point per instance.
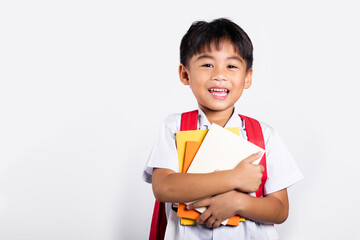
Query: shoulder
(273, 140)
(268, 131)
(172, 119)
(270, 134)
(171, 123)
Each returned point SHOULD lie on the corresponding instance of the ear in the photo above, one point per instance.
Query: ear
(248, 78)
(183, 75)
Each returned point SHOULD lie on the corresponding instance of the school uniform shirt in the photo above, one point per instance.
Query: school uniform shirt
(282, 172)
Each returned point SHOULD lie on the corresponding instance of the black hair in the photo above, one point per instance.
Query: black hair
(201, 34)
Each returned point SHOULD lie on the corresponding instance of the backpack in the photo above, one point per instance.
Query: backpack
(189, 121)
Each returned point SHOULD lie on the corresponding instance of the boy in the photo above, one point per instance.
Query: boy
(216, 62)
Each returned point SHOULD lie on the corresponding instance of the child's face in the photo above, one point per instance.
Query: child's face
(217, 78)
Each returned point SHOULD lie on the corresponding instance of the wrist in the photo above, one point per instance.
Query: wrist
(241, 201)
(237, 183)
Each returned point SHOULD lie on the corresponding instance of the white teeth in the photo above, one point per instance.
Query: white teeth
(218, 90)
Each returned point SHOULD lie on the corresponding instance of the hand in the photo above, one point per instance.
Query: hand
(219, 208)
(248, 174)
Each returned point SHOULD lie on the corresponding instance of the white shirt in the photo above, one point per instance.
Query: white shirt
(282, 172)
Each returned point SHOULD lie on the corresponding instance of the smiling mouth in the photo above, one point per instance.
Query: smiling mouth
(220, 92)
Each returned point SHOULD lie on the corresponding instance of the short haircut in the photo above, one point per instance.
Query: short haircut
(201, 34)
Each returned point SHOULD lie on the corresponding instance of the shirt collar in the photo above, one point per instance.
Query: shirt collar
(203, 121)
(234, 121)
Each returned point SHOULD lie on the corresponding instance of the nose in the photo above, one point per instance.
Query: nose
(218, 75)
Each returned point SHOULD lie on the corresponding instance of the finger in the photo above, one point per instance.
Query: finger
(203, 217)
(262, 168)
(216, 224)
(210, 222)
(201, 203)
(253, 157)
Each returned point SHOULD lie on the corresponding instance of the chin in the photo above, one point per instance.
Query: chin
(218, 108)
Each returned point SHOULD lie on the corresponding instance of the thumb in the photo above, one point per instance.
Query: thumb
(253, 157)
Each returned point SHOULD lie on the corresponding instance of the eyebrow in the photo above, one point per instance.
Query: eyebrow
(236, 58)
(204, 56)
(211, 57)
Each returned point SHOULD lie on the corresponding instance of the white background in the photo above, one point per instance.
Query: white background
(85, 85)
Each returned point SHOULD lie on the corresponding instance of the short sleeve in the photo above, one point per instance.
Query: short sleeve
(282, 170)
(164, 153)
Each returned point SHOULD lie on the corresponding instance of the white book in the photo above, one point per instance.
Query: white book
(222, 150)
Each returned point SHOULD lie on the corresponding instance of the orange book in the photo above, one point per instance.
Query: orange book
(191, 149)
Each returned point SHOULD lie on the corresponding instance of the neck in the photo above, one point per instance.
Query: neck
(218, 117)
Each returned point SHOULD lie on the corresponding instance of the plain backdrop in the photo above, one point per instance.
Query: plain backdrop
(85, 85)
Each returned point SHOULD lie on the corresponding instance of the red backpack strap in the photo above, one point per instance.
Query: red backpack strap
(158, 222)
(189, 121)
(255, 135)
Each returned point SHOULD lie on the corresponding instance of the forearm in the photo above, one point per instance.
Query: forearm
(272, 208)
(169, 186)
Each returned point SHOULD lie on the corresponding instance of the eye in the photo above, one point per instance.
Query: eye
(232, 66)
(208, 65)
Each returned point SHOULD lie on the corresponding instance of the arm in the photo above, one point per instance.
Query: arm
(169, 186)
(272, 208)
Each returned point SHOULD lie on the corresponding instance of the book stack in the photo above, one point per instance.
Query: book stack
(204, 151)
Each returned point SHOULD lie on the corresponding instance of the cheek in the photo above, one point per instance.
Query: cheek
(239, 89)
(239, 85)
(198, 82)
